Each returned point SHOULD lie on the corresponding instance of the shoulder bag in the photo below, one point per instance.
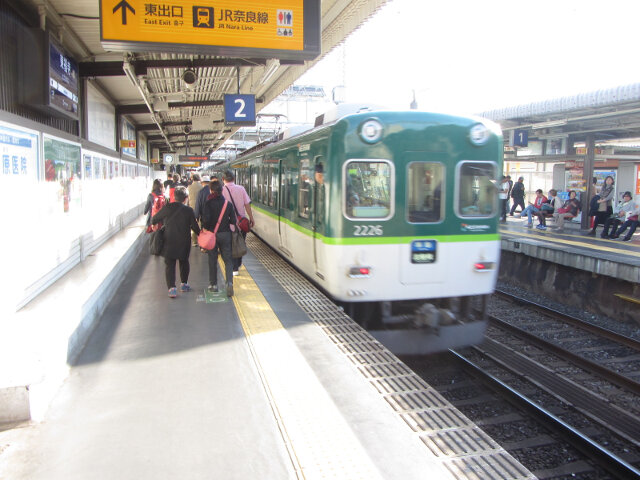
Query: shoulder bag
(242, 222)
(238, 245)
(207, 239)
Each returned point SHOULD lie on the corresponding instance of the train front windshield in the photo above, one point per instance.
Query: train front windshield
(477, 193)
(368, 189)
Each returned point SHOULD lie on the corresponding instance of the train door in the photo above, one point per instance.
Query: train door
(319, 209)
(284, 206)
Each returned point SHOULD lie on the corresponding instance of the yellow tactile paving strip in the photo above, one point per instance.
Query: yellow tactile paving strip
(320, 442)
(562, 241)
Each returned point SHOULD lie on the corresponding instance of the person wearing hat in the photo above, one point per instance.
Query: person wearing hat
(627, 212)
(517, 193)
(202, 196)
(194, 190)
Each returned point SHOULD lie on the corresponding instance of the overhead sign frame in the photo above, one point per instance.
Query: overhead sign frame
(287, 30)
(240, 110)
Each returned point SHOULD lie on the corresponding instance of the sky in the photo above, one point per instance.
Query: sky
(464, 56)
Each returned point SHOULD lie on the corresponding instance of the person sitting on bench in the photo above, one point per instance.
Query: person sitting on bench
(569, 210)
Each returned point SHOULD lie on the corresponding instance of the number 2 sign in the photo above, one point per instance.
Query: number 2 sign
(240, 110)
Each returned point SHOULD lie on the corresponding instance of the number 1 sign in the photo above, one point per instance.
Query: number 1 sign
(240, 110)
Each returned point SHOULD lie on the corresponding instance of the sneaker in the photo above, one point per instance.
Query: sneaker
(173, 292)
(229, 289)
(213, 288)
(529, 225)
(541, 227)
(235, 273)
(625, 239)
(185, 287)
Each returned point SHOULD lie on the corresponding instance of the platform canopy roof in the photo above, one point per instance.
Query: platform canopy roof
(611, 116)
(149, 88)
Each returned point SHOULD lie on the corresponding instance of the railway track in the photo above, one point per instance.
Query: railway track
(541, 384)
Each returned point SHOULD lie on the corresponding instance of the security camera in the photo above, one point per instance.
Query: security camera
(189, 77)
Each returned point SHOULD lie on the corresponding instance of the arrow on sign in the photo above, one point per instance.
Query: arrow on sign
(124, 5)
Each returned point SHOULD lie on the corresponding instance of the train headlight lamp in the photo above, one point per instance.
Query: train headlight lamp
(479, 134)
(371, 131)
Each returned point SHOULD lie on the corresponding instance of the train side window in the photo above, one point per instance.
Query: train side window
(477, 193)
(254, 183)
(368, 189)
(304, 188)
(273, 192)
(425, 194)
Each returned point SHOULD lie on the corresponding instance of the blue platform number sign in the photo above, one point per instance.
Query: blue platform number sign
(240, 110)
(520, 138)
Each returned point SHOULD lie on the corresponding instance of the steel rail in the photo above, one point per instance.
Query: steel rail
(607, 460)
(600, 331)
(589, 365)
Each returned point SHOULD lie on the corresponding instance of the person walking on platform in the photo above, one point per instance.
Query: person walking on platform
(503, 196)
(569, 210)
(211, 214)
(517, 193)
(178, 220)
(155, 202)
(241, 202)
(194, 190)
(605, 210)
(203, 194)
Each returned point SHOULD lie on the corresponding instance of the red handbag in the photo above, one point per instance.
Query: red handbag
(243, 224)
(207, 239)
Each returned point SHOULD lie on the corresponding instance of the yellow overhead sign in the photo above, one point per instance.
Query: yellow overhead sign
(248, 24)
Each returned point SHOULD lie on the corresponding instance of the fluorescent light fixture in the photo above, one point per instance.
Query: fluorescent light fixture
(549, 124)
(160, 105)
(269, 71)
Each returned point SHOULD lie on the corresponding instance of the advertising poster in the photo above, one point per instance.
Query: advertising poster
(62, 166)
(128, 133)
(19, 151)
(88, 170)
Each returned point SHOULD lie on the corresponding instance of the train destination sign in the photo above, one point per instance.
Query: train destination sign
(284, 29)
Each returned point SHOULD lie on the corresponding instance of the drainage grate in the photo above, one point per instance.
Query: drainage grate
(466, 451)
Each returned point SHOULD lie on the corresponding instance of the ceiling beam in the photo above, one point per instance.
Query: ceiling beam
(153, 126)
(142, 108)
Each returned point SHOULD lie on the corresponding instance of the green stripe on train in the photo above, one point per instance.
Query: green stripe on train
(381, 240)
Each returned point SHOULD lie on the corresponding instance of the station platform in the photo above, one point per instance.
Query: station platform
(601, 274)
(275, 382)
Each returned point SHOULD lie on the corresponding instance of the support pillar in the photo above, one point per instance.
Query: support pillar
(587, 173)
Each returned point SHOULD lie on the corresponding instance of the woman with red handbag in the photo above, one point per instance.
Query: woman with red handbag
(218, 216)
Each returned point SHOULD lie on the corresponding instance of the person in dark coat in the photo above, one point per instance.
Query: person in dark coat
(210, 215)
(517, 193)
(178, 220)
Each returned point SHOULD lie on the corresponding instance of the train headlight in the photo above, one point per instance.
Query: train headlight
(479, 134)
(371, 131)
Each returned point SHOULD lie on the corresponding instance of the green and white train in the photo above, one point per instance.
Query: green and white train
(394, 214)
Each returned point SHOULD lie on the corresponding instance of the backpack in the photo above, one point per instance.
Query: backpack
(159, 202)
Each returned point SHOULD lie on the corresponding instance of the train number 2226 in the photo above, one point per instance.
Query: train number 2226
(367, 230)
